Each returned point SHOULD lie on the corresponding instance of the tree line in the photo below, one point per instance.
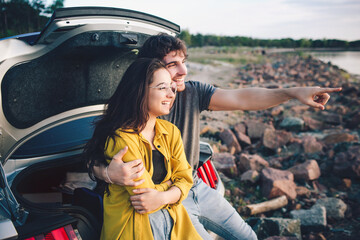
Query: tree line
(25, 16)
(199, 40)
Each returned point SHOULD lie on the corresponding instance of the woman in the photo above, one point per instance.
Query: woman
(130, 119)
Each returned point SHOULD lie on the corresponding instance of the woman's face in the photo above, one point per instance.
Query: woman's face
(161, 93)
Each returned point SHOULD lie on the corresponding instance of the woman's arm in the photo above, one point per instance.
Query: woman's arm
(181, 181)
(152, 201)
(147, 200)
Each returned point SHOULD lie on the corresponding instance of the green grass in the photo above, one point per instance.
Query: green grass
(232, 55)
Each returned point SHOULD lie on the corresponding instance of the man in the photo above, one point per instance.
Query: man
(207, 209)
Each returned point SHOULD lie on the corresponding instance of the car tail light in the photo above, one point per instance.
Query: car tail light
(207, 173)
(63, 233)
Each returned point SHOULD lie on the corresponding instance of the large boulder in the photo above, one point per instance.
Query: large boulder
(332, 118)
(240, 133)
(251, 162)
(309, 170)
(279, 227)
(292, 124)
(256, 129)
(335, 208)
(250, 176)
(275, 139)
(276, 183)
(311, 145)
(339, 138)
(313, 219)
(225, 163)
(229, 138)
(347, 164)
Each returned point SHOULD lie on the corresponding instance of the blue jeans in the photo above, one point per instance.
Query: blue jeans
(161, 224)
(209, 210)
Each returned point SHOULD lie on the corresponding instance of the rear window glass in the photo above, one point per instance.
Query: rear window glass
(68, 136)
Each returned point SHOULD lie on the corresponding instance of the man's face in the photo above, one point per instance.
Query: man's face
(175, 63)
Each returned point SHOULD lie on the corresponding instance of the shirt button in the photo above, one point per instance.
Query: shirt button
(158, 146)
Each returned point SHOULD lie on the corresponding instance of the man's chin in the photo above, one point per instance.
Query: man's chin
(180, 86)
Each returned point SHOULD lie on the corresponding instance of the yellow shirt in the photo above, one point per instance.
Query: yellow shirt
(121, 221)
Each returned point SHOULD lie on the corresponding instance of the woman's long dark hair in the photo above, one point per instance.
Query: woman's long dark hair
(126, 109)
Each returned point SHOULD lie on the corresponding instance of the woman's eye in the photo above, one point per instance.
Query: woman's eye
(162, 88)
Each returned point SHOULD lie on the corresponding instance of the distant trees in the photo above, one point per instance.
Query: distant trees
(24, 16)
(199, 40)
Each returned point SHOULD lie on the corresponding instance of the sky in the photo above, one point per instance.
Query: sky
(264, 19)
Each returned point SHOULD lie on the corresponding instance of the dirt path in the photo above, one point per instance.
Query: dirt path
(219, 74)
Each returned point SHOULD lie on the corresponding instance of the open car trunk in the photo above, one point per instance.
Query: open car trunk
(46, 192)
(53, 85)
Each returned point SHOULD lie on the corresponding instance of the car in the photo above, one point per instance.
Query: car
(54, 84)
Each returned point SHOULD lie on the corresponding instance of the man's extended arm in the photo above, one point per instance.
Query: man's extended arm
(119, 172)
(263, 98)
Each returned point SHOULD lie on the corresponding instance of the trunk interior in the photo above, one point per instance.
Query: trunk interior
(45, 191)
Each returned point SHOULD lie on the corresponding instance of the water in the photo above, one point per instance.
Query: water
(347, 60)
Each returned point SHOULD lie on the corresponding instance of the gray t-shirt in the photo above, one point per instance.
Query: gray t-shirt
(185, 114)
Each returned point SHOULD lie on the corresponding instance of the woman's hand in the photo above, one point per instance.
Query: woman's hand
(147, 200)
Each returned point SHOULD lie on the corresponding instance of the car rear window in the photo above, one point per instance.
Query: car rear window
(68, 136)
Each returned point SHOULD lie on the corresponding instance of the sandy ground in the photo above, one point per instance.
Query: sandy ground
(220, 75)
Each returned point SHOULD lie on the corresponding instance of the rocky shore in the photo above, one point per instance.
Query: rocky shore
(292, 171)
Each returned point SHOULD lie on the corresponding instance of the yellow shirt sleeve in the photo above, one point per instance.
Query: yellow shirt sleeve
(134, 152)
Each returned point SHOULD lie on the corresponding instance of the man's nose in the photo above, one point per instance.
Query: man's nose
(182, 69)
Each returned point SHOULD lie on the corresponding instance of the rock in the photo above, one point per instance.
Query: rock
(227, 193)
(228, 137)
(276, 183)
(312, 124)
(251, 162)
(309, 170)
(313, 219)
(275, 139)
(255, 129)
(299, 109)
(339, 137)
(279, 227)
(240, 127)
(319, 187)
(225, 162)
(238, 192)
(331, 118)
(353, 121)
(242, 138)
(292, 124)
(275, 162)
(281, 238)
(335, 208)
(302, 192)
(347, 164)
(311, 145)
(250, 176)
(207, 130)
(276, 111)
(346, 182)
